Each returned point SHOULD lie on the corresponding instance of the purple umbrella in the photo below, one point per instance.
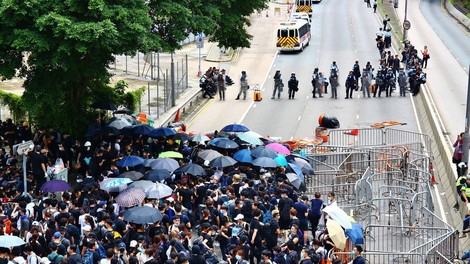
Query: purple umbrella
(130, 197)
(55, 186)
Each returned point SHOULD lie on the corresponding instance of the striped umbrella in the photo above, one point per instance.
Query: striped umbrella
(130, 197)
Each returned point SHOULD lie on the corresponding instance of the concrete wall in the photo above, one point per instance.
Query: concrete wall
(462, 18)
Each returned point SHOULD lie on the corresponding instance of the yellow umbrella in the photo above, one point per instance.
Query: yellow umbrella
(336, 233)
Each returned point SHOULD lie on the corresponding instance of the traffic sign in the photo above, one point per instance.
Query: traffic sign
(22, 147)
(200, 41)
(406, 24)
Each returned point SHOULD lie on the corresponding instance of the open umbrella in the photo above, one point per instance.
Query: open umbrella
(171, 154)
(224, 143)
(200, 138)
(191, 168)
(251, 137)
(279, 148)
(208, 154)
(148, 162)
(142, 184)
(119, 123)
(336, 234)
(11, 241)
(356, 233)
(158, 191)
(281, 160)
(162, 132)
(55, 186)
(182, 136)
(293, 168)
(104, 105)
(130, 161)
(222, 162)
(265, 162)
(340, 216)
(168, 164)
(294, 180)
(130, 197)
(235, 128)
(142, 215)
(133, 175)
(263, 151)
(123, 111)
(114, 184)
(157, 175)
(303, 165)
(142, 129)
(243, 155)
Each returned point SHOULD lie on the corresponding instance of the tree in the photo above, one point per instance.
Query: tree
(224, 20)
(63, 48)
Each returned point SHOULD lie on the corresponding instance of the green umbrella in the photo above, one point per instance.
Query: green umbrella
(171, 154)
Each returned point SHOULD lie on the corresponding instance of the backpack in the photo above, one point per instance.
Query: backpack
(87, 257)
(292, 258)
(267, 214)
(54, 259)
(101, 251)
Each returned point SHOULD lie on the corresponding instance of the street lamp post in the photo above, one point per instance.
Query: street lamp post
(406, 12)
(466, 139)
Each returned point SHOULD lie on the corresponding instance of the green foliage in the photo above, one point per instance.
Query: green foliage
(132, 100)
(14, 104)
(68, 46)
(224, 20)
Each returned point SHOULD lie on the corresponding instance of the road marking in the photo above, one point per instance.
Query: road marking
(357, 116)
(262, 85)
(200, 112)
(254, 105)
(300, 117)
(291, 138)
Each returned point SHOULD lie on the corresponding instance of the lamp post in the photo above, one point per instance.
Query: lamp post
(406, 13)
(466, 139)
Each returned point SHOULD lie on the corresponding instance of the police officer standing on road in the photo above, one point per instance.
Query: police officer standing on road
(278, 85)
(293, 85)
(350, 85)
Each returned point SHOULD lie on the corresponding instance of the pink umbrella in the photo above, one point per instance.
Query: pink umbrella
(279, 148)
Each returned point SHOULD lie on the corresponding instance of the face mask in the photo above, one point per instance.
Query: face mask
(238, 257)
(329, 200)
(353, 253)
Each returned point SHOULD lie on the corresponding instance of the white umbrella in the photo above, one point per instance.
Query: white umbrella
(158, 191)
(340, 216)
(200, 138)
(294, 179)
(10, 241)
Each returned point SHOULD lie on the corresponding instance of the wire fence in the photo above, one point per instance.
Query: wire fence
(382, 177)
(165, 77)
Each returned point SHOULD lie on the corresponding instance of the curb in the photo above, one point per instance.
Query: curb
(456, 14)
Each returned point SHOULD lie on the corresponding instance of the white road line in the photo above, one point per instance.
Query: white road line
(300, 117)
(357, 116)
(291, 138)
(265, 78)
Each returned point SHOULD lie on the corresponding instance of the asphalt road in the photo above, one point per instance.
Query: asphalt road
(454, 36)
(342, 31)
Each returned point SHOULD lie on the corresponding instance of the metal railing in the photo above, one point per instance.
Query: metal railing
(383, 177)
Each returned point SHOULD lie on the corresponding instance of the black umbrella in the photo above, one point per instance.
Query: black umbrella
(104, 105)
(182, 136)
(124, 111)
(157, 175)
(191, 168)
(133, 175)
(222, 162)
(142, 215)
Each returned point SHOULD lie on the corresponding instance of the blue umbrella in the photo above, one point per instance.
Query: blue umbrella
(148, 162)
(222, 162)
(265, 162)
(243, 155)
(162, 132)
(168, 164)
(130, 161)
(157, 175)
(263, 151)
(224, 143)
(235, 128)
(115, 184)
(297, 171)
(281, 160)
(356, 233)
(142, 130)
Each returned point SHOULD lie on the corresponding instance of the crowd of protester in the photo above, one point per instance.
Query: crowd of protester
(241, 214)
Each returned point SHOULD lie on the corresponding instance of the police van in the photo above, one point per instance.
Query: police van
(293, 35)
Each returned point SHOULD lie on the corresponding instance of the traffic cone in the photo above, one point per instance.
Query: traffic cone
(433, 178)
(177, 116)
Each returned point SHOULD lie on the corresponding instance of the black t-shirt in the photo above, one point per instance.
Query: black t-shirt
(36, 159)
(254, 224)
(62, 215)
(207, 237)
(201, 192)
(186, 196)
